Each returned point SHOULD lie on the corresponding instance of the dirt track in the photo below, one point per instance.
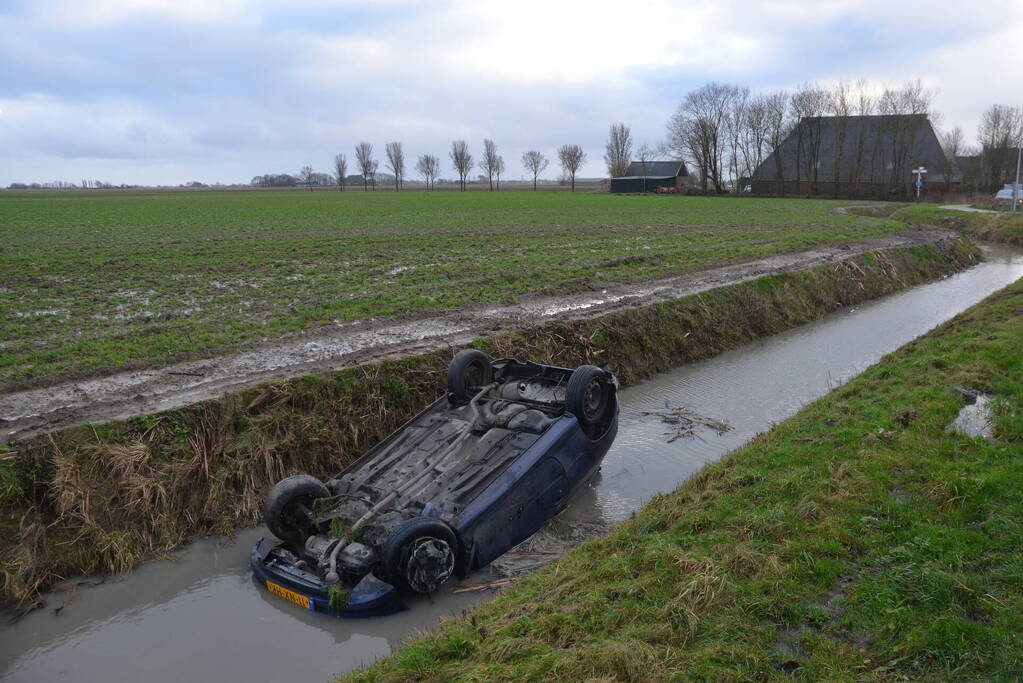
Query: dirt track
(120, 395)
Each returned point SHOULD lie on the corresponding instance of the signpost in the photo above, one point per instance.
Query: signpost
(1015, 186)
(919, 171)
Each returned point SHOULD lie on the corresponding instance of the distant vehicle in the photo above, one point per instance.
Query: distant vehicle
(471, 476)
(1005, 195)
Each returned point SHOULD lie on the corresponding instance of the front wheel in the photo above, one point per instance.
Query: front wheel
(420, 555)
(589, 396)
(288, 508)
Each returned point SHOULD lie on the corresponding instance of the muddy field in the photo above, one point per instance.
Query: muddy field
(109, 283)
(119, 395)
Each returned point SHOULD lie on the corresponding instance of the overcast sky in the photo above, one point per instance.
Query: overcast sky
(168, 91)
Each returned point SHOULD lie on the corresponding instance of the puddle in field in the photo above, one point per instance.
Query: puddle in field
(202, 618)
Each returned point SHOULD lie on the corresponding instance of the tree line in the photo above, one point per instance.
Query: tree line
(571, 158)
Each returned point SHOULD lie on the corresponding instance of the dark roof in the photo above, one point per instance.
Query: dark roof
(866, 144)
(656, 169)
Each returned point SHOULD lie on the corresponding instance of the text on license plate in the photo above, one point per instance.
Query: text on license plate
(289, 595)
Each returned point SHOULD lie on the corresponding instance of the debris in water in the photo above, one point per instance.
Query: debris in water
(687, 421)
(471, 588)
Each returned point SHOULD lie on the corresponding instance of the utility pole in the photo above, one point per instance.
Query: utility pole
(1015, 185)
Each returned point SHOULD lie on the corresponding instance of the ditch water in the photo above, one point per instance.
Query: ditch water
(201, 617)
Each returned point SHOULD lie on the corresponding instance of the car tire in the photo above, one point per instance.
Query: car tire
(589, 395)
(420, 555)
(468, 372)
(285, 505)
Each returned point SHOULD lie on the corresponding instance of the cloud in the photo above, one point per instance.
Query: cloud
(174, 90)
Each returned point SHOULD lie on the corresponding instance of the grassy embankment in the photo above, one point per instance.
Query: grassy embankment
(857, 540)
(994, 227)
(102, 498)
(114, 281)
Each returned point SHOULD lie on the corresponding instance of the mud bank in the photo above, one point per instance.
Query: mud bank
(121, 395)
(102, 498)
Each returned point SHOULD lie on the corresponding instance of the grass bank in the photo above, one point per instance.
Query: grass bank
(102, 498)
(117, 281)
(857, 540)
(993, 227)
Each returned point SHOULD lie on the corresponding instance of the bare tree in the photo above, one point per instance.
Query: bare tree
(864, 105)
(367, 165)
(750, 146)
(645, 154)
(735, 129)
(488, 164)
(499, 170)
(618, 150)
(840, 105)
(778, 125)
(428, 166)
(697, 131)
(908, 110)
(341, 168)
(999, 134)
(952, 144)
(396, 162)
(461, 159)
(809, 104)
(306, 174)
(571, 158)
(535, 162)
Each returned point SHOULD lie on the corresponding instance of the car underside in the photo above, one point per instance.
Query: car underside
(474, 473)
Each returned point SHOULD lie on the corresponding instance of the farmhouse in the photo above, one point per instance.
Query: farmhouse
(857, 156)
(647, 176)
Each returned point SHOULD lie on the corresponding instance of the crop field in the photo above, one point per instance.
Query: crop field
(92, 283)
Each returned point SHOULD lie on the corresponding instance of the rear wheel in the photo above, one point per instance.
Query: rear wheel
(589, 395)
(468, 373)
(420, 555)
(288, 509)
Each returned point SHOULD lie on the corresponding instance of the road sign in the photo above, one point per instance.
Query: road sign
(919, 172)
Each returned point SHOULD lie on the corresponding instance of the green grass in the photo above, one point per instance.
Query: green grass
(105, 281)
(855, 541)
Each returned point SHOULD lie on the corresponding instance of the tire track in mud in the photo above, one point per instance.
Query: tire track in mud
(120, 395)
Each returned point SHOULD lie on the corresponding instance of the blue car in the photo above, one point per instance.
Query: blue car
(471, 476)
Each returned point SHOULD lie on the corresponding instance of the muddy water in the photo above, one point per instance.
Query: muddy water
(202, 618)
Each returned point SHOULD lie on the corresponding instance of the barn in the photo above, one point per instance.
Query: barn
(647, 176)
(857, 156)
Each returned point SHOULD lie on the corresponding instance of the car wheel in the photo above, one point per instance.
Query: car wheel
(469, 372)
(420, 555)
(589, 395)
(288, 507)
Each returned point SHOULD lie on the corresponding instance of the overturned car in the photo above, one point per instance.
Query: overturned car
(471, 476)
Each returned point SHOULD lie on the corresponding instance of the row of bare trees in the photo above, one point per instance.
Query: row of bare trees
(571, 158)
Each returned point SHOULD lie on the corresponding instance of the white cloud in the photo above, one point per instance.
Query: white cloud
(239, 87)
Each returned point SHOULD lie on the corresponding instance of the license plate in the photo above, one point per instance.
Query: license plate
(289, 595)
